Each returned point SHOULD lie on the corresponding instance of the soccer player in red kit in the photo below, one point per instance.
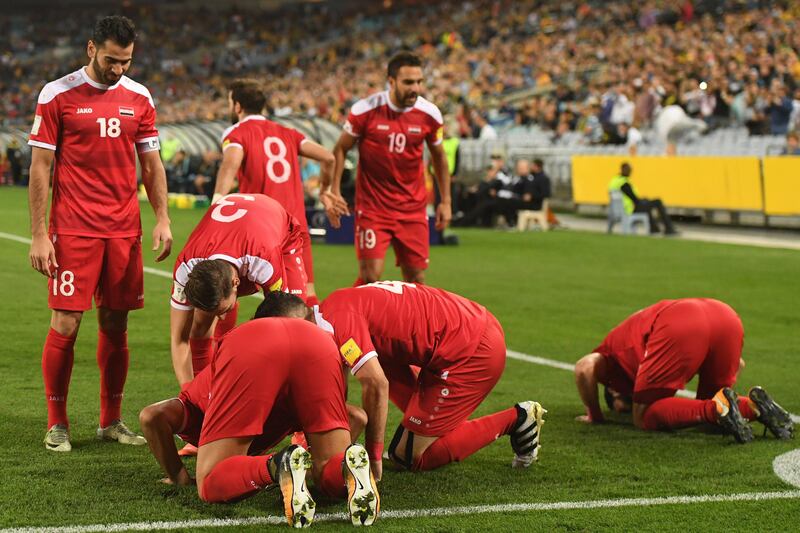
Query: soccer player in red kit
(436, 355)
(244, 242)
(391, 129)
(652, 354)
(264, 156)
(265, 374)
(89, 123)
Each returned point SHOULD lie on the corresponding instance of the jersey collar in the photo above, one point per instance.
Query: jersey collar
(396, 108)
(253, 117)
(96, 85)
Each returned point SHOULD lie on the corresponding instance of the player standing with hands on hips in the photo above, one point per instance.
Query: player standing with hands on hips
(88, 123)
(391, 128)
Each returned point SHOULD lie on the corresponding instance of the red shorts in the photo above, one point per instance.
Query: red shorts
(408, 236)
(108, 269)
(263, 362)
(445, 398)
(690, 337)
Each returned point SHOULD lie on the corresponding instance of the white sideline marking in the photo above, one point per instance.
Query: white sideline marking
(510, 353)
(787, 467)
(421, 513)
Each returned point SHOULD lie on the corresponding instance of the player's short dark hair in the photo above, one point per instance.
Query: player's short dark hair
(116, 28)
(281, 304)
(209, 282)
(249, 94)
(625, 169)
(538, 162)
(402, 59)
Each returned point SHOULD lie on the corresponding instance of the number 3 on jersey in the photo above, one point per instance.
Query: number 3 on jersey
(278, 168)
(224, 202)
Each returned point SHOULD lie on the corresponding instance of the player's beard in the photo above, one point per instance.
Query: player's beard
(407, 99)
(101, 74)
(234, 118)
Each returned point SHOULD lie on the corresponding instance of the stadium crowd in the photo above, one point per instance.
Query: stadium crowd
(583, 67)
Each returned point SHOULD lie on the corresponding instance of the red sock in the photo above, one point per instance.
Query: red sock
(331, 482)
(202, 350)
(358, 282)
(57, 357)
(746, 408)
(235, 478)
(466, 439)
(112, 358)
(224, 325)
(674, 413)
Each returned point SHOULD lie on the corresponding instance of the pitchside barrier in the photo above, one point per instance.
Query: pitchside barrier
(769, 185)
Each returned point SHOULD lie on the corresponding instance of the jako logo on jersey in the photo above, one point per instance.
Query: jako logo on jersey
(84, 111)
(383, 126)
(417, 421)
(414, 129)
(126, 111)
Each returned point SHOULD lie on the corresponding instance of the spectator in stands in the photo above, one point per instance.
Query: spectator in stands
(792, 144)
(205, 174)
(14, 161)
(779, 109)
(485, 131)
(482, 200)
(632, 203)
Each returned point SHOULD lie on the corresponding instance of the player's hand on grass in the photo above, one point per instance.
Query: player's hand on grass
(183, 479)
(377, 468)
(444, 213)
(586, 419)
(162, 235)
(43, 256)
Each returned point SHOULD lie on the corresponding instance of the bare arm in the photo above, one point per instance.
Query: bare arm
(441, 168)
(180, 324)
(589, 371)
(42, 253)
(335, 205)
(375, 400)
(155, 183)
(159, 422)
(232, 159)
(343, 145)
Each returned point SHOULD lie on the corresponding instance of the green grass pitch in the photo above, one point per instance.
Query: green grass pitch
(556, 294)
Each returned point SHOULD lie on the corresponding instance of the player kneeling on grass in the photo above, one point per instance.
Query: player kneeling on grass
(646, 359)
(436, 355)
(269, 377)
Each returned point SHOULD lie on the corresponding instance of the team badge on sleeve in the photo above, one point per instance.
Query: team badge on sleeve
(349, 128)
(350, 351)
(178, 293)
(37, 122)
(440, 133)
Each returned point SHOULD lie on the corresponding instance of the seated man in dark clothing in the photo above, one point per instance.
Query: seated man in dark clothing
(535, 188)
(632, 203)
(485, 197)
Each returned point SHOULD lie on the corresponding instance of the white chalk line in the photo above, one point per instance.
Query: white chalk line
(422, 513)
(787, 469)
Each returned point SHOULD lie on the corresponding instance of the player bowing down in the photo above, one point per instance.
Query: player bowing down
(436, 355)
(243, 242)
(652, 354)
(268, 378)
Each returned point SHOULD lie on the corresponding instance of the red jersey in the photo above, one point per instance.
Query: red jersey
(250, 231)
(271, 163)
(411, 324)
(625, 344)
(391, 176)
(93, 129)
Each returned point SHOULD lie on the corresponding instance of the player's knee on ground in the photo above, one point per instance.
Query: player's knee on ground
(638, 411)
(406, 450)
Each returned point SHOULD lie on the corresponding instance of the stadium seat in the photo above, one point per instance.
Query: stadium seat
(616, 213)
(526, 216)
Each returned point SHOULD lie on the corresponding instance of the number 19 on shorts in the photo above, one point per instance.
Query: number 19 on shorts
(366, 239)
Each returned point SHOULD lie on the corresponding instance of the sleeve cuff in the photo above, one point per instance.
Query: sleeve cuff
(179, 306)
(231, 145)
(366, 357)
(39, 144)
